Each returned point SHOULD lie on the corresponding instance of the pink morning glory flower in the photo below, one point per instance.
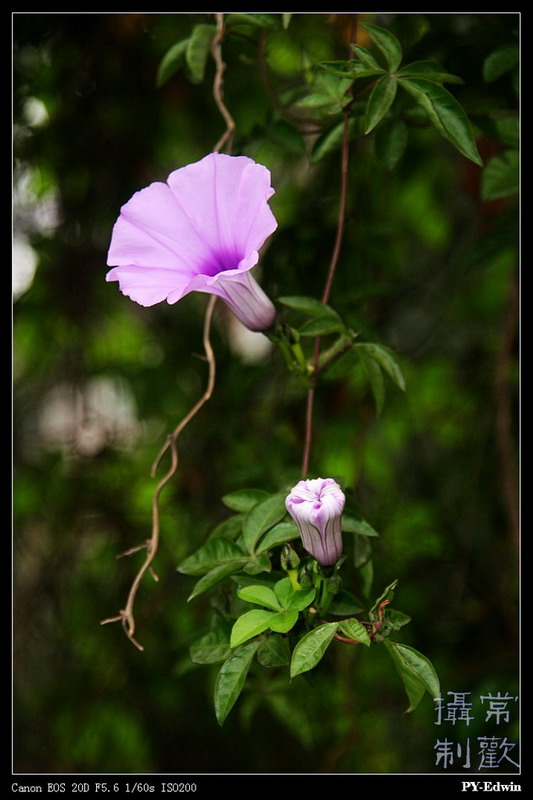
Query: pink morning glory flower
(200, 231)
(316, 506)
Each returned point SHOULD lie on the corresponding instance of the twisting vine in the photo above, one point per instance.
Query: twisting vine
(126, 615)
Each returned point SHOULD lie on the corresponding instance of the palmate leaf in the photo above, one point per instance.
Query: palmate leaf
(279, 534)
(215, 575)
(380, 101)
(390, 142)
(430, 70)
(212, 648)
(214, 553)
(385, 358)
(445, 113)
(387, 43)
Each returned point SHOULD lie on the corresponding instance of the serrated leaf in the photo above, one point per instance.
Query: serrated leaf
(279, 534)
(260, 595)
(261, 517)
(214, 553)
(500, 61)
(366, 57)
(445, 113)
(215, 575)
(310, 306)
(231, 679)
(390, 142)
(250, 624)
(387, 43)
(311, 648)
(229, 528)
(416, 671)
(386, 359)
(243, 499)
(197, 51)
(353, 629)
(171, 62)
(501, 176)
(284, 621)
(354, 523)
(379, 102)
(322, 326)
(429, 70)
(212, 648)
(274, 651)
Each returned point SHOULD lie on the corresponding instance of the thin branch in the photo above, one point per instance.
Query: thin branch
(126, 615)
(341, 220)
(218, 87)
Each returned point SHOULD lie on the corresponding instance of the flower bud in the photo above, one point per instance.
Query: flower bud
(316, 506)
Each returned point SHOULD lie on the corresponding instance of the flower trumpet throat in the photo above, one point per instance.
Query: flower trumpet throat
(200, 231)
(316, 506)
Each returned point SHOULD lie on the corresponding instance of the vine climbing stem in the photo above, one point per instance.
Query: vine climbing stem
(328, 284)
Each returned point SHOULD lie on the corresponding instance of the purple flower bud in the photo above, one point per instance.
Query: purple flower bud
(316, 506)
(201, 231)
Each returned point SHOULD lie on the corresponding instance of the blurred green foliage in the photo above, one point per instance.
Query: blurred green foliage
(428, 267)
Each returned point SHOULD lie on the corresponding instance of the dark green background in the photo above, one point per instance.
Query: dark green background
(426, 268)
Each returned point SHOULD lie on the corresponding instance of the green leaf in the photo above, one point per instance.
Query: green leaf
(429, 70)
(353, 629)
(322, 326)
(331, 139)
(379, 102)
(212, 648)
(376, 380)
(284, 621)
(279, 534)
(243, 499)
(274, 651)
(345, 603)
(390, 142)
(311, 648)
(197, 51)
(309, 306)
(229, 528)
(328, 94)
(366, 576)
(259, 563)
(215, 575)
(261, 517)
(366, 57)
(260, 595)
(362, 551)
(231, 679)
(285, 20)
(293, 599)
(293, 715)
(501, 176)
(500, 61)
(387, 594)
(445, 113)
(171, 62)
(250, 624)
(260, 20)
(386, 359)
(393, 620)
(354, 523)
(387, 43)
(213, 553)
(416, 671)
